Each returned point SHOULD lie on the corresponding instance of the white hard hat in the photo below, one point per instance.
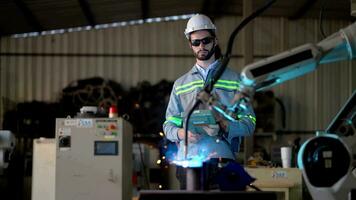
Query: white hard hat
(198, 22)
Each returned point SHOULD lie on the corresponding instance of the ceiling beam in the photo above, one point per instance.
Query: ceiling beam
(144, 9)
(29, 16)
(213, 8)
(205, 7)
(302, 10)
(88, 13)
(2, 33)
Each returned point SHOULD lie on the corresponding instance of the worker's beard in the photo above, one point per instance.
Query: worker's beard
(205, 56)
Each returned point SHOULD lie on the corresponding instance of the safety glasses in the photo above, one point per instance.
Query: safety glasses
(205, 41)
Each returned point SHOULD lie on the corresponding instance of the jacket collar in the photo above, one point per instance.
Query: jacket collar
(195, 70)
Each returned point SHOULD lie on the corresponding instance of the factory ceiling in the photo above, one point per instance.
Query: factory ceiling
(24, 16)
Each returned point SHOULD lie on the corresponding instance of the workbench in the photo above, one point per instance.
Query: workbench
(286, 180)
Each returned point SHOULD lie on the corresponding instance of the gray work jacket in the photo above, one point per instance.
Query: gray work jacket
(183, 96)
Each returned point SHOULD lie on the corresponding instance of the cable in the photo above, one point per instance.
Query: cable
(283, 109)
(254, 187)
(321, 17)
(144, 167)
(226, 58)
(186, 128)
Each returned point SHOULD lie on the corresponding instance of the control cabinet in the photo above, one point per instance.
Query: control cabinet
(93, 159)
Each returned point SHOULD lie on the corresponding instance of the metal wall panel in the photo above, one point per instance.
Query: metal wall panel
(312, 100)
(156, 51)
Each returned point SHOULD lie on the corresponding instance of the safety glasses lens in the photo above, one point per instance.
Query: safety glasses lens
(205, 41)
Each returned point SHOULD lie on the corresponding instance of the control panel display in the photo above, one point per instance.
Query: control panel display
(106, 148)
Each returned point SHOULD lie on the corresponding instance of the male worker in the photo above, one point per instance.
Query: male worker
(222, 141)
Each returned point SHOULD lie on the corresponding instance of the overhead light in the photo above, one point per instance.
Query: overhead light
(104, 26)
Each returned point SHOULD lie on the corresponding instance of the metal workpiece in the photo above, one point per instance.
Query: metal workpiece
(194, 178)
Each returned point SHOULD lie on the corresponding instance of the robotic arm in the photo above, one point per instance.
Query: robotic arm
(300, 60)
(327, 161)
(285, 66)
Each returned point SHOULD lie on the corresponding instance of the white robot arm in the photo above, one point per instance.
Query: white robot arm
(326, 161)
(300, 60)
(288, 65)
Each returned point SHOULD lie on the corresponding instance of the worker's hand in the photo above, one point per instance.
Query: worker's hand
(192, 137)
(223, 122)
(211, 130)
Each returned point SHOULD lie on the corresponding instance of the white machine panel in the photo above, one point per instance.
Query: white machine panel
(94, 159)
(43, 169)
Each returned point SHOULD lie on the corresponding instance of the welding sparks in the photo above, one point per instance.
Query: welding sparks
(198, 154)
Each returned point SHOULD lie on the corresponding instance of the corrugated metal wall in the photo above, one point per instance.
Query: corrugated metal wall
(38, 68)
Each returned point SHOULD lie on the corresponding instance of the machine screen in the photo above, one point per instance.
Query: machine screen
(106, 148)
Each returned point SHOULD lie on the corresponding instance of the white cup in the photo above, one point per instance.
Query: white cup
(286, 156)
